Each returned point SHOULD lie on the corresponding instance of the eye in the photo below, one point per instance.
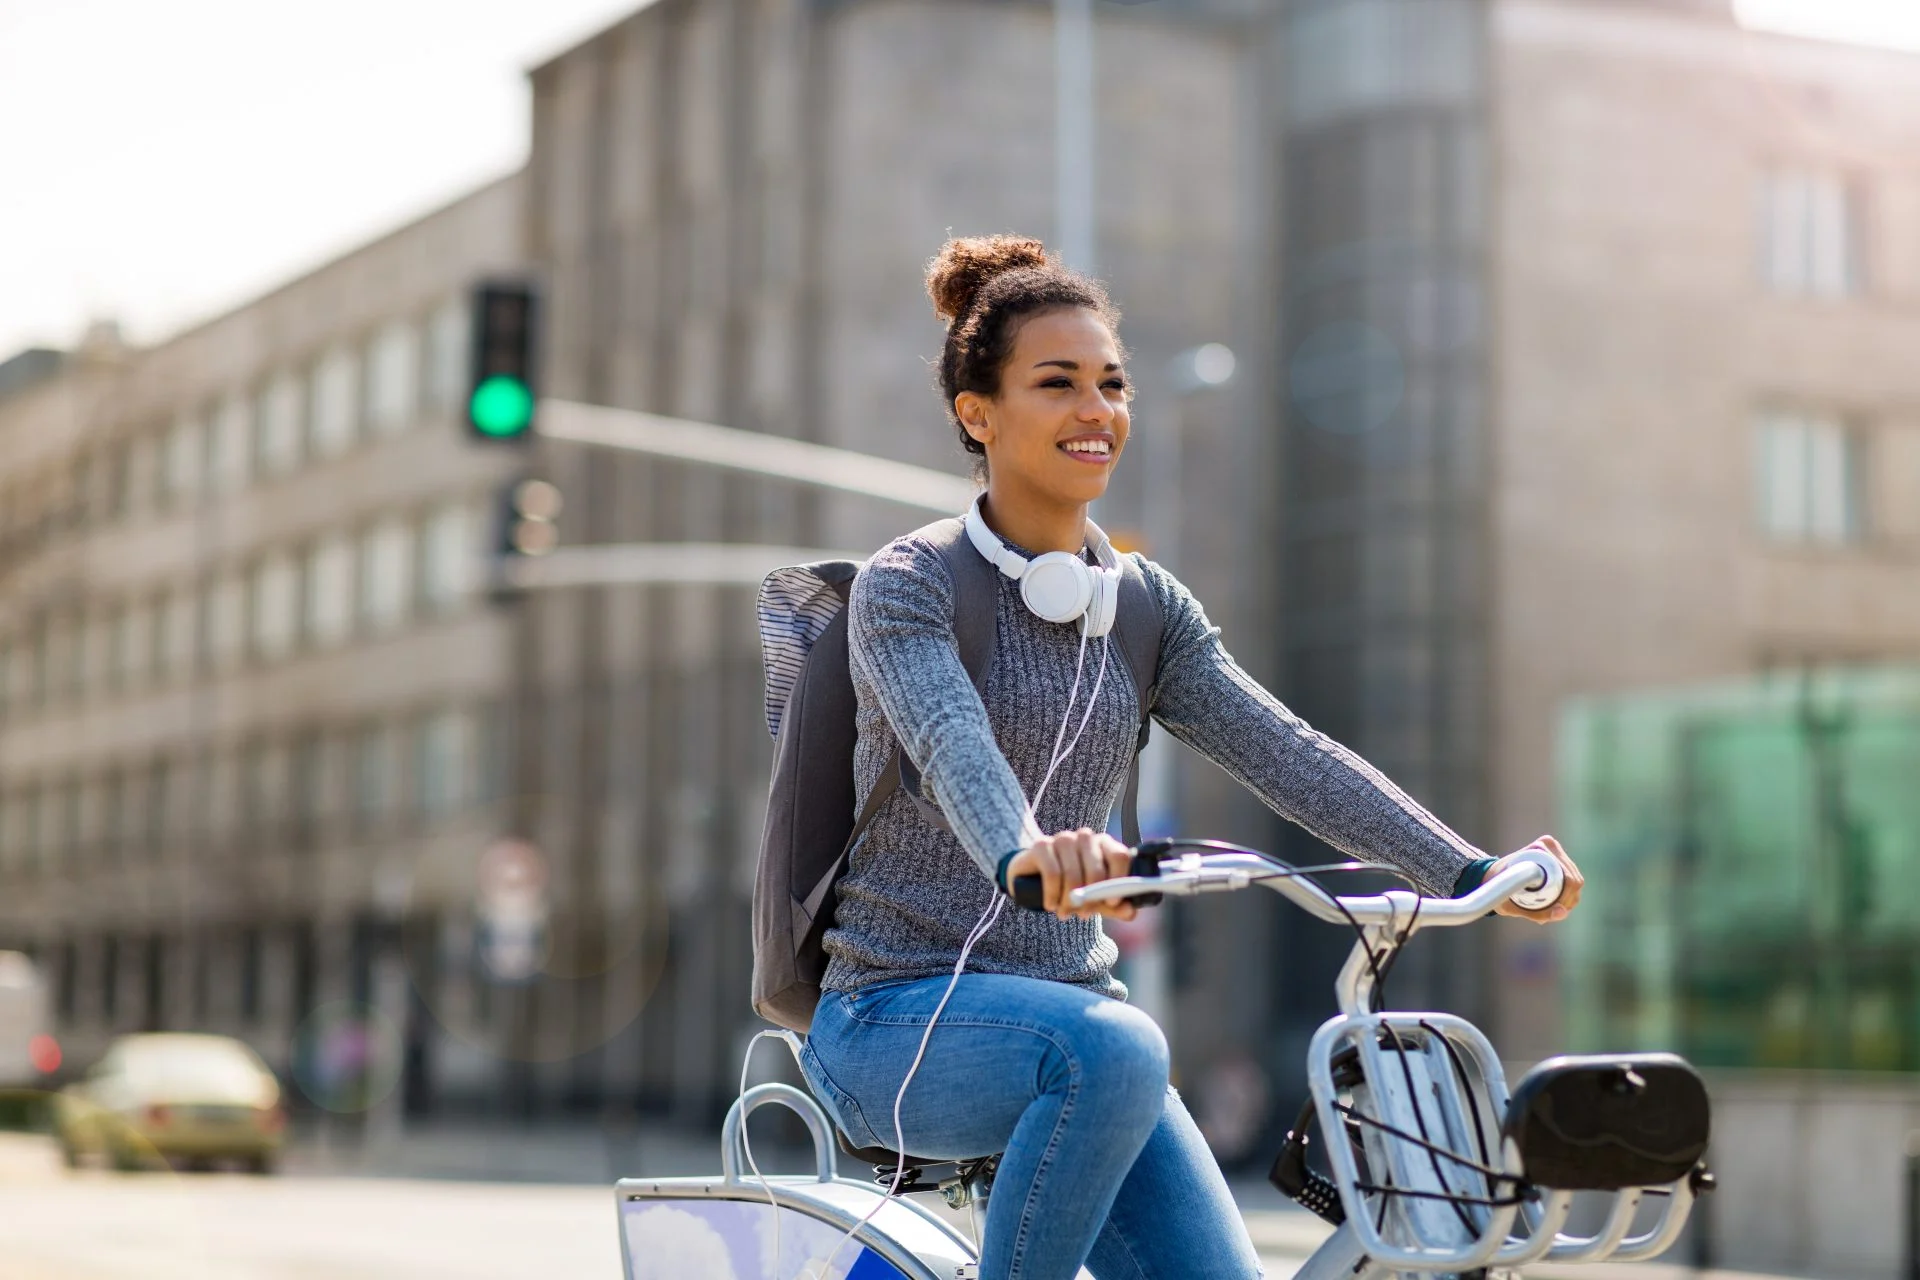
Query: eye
(1059, 381)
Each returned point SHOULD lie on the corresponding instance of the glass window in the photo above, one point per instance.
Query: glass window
(229, 459)
(133, 645)
(328, 616)
(112, 822)
(266, 791)
(277, 425)
(224, 626)
(446, 763)
(447, 356)
(393, 377)
(62, 640)
(101, 665)
(276, 604)
(222, 813)
(50, 829)
(183, 460)
(1809, 234)
(449, 555)
(8, 650)
(331, 413)
(1809, 480)
(375, 763)
(33, 672)
(176, 634)
(386, 578)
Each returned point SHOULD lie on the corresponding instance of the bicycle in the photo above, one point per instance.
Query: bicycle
(1434, 1167)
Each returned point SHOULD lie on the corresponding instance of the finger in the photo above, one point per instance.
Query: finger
(1049, 867)
(1081, 866)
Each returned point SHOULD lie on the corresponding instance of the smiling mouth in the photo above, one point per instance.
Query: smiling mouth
(1094, 452)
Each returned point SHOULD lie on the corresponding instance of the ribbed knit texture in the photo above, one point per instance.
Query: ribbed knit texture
(913, 892)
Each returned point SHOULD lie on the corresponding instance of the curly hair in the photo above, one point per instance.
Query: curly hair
(985, 288)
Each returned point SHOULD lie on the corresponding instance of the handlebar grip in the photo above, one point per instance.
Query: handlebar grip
(1030, 891)
(1548, 891)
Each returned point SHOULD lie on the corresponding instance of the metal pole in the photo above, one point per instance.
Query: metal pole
(1075, 236)
(755, 451)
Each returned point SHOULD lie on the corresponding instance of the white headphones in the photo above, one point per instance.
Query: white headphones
(1058, 586)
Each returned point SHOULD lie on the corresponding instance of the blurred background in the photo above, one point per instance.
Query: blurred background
(1553, 439)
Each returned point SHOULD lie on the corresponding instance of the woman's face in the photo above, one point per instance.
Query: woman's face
(1058, 425)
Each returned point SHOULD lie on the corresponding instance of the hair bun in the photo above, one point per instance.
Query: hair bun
(965, 266)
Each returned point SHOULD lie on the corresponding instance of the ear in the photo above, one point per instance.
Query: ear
(971, 408)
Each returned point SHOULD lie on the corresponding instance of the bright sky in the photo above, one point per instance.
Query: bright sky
(165, 159)
(1895, 23)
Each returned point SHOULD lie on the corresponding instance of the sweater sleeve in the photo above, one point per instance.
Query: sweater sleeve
(1206, 701)
(900, 634)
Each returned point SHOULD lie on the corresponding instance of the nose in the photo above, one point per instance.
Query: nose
(1094, 407)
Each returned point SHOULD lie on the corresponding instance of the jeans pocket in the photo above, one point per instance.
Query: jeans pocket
(837, 1102)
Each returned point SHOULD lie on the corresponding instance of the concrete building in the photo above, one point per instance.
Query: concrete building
(733, 202)
(251, 685)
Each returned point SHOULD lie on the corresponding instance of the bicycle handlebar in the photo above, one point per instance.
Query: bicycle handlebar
(1534, 880)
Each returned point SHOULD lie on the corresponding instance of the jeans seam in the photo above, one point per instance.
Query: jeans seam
(1045, 1161)
(841, 1096)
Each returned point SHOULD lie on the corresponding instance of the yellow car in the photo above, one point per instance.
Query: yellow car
(177, 1098)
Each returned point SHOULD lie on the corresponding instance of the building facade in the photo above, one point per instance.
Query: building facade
(251, 681)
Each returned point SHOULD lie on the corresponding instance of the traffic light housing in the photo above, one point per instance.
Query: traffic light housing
(501, 387)
(529, 517)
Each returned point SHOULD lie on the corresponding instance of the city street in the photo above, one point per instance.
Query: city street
(96, 1225)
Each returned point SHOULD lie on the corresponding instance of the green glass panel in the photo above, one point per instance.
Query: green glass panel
(1752, 853)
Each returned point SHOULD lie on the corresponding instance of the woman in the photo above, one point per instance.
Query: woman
(1034, 1055)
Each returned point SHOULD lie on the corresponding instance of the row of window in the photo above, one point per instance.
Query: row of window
(283, 792)
(1810, 235)
(405, 372)
(289, 600)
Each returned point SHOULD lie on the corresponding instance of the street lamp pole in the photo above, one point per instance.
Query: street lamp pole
(1074, 236)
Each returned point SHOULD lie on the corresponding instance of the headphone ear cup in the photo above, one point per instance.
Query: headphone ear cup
(1105, 607)
(1058, 587)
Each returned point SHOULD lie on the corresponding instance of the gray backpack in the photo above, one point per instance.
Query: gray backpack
(811, 825)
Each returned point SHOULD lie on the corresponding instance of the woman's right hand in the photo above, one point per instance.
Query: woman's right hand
(1066, 861)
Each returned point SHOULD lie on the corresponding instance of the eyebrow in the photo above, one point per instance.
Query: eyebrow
(1074, 365)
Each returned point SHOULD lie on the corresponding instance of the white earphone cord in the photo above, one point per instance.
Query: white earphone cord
(987, 920)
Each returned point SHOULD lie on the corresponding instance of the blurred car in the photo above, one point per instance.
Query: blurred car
(181, 1098)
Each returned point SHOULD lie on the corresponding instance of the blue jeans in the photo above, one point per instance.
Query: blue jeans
(1103, 1168)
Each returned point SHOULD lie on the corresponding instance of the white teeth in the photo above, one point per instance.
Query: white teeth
(1100, 447)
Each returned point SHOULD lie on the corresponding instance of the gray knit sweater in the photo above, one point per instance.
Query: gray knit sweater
(913, 892)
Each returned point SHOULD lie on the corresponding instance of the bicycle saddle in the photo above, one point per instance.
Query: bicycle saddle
(913, 1168)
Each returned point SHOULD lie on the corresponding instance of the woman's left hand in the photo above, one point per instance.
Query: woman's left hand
(1569, 893)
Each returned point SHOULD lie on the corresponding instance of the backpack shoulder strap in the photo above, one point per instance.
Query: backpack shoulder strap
(976, 600)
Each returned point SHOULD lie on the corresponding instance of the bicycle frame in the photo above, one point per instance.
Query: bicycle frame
(1430, 1076)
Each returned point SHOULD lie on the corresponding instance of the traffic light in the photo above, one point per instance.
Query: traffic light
(500, 389)
(529, 515)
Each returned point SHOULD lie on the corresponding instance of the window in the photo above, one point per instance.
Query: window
(224, 627)
(375, 762)
(447, 356)
(386, 563)
(176, 635)
(8, 652)
(328, 582)
(113, 818)
(157, 831)
(393, 378)
(276, 603)
(1809, 480)
(445, 763)
(60, 660)
(133, 646)
(229, 459)
(182, 460)
(307, 788)
(331, 414)
(117, 467)
(448, 556)
(102, 663)
(266, 791)
(1809, 235)
(276, 428)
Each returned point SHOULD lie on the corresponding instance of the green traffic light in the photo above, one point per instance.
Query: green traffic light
(502, 406)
